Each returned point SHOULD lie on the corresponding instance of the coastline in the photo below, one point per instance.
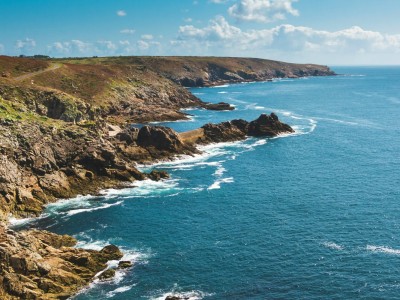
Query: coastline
(109, 163)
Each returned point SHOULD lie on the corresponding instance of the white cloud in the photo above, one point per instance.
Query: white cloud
(25, 46)
(147, 45)
(218, 29)
(73, 47)
(188, 20)
(218, 1)
(128, 31)
(286, 42)
(262, 10)
(105, 47)
(142, 45)
(80, 46)
(124, 43)
(147, 37)
(121, 13)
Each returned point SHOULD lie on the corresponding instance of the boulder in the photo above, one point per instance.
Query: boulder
(111, 252)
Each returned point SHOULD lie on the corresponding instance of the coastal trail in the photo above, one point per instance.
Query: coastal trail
(53, 66)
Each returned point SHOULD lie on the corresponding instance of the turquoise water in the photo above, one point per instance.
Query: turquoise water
(313, 215)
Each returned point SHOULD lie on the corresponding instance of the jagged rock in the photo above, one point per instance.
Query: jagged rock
(158, 175)
(107, 274)
(42, 265)
(265, 125)
(268, 125)
(222, 132)
(128, 135)
(124, 264)
(159, 137)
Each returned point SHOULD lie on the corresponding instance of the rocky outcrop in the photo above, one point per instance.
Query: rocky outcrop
(265, 125)
(218, 106)
(42, 265)
(222, 132)
(157, 143)
(159, 137)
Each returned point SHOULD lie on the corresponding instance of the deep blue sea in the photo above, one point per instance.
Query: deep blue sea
(313, 215)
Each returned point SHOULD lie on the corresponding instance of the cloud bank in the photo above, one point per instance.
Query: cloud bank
(221, 38)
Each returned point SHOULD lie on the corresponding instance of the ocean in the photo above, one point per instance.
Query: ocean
(311, 215)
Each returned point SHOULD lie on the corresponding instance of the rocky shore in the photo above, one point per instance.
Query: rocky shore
(66, 130)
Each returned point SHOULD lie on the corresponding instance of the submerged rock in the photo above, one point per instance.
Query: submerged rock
(218, 106)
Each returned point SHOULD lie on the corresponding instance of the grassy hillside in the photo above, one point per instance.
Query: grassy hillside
(129, 89)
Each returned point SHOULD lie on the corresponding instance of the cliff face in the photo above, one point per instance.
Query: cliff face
(65, 129)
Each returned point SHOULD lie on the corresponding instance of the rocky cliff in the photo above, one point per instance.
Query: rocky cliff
(42, 265)
(209, 71)
(65, 129)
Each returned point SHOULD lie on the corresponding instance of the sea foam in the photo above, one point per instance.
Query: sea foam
(383, 249)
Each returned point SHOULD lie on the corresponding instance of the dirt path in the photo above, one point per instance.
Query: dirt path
(54, 66)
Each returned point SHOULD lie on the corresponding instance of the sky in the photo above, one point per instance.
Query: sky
(330, 32)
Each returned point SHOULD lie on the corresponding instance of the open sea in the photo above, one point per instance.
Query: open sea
(312, 215)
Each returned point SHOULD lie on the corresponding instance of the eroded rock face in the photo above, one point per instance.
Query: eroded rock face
(268, 125)
(40, 163)
(159, 137)
(222, 132)
(265, 125)
(42, 265)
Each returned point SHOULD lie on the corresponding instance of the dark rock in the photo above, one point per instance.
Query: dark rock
(124, 264)
(265, 125)
(111, 252)
(268, 125)
(159, 137)
(176, 298)
(222, 132)
(158, 175)
(107, 274)
(219, 106)
(241, 124)
(128, 135)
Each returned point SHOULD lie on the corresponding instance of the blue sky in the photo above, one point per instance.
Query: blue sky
(333, 32)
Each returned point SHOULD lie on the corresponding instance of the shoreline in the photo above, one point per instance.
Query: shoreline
(77, 152)
(200, 154)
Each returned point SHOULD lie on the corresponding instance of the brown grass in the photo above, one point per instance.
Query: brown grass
(16, 66)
